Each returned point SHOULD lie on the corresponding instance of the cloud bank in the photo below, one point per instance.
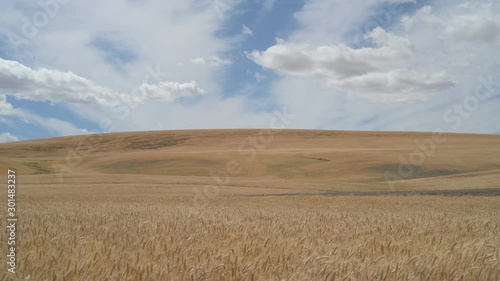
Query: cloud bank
(369, 72)
(55, 86)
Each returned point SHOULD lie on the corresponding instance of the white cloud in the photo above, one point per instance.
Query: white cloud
(394, 86)
(176, 32)
(223, 8)
(170, 33)
(53, 125)
(5, 107)
(440, 58)
(199, 61)
(366, 72)
(7, 137)
(212, 61)
(337, 61)
(245, 30)
(52, 85)
(326, 22)
(259, 76)
(169, 90)
(477, 22)
(423, 15)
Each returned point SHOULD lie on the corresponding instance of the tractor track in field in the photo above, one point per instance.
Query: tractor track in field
(445, 192)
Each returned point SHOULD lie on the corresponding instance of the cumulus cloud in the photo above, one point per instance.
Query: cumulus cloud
(56, 86)
(172, 34)
(169, 90)
(442, 61)
(336, 61)
(428, 56)
(365, 72)
(7, 137)
(50, 85)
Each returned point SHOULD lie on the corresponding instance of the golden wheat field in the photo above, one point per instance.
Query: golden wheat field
(308, 205)
(288, 238)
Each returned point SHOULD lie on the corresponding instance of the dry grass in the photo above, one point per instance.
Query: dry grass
(127, 211)
(92, 237)
(302, 160)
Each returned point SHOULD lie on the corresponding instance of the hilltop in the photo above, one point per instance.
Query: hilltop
(260, 161)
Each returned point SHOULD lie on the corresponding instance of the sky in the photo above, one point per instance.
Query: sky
(72, 67)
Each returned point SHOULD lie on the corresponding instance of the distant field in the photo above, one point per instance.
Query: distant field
(256, 205)
(279, 161)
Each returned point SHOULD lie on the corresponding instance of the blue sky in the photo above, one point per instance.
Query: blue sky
(71, 68)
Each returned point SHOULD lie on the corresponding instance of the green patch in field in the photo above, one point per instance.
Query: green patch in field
(286, 169)
(315, 158)
(45, 148)
(35, 166)
(185, 167)
(413, 172)
(154, 143)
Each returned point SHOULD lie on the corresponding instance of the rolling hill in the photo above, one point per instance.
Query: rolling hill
(255, 205)
(260, 161)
